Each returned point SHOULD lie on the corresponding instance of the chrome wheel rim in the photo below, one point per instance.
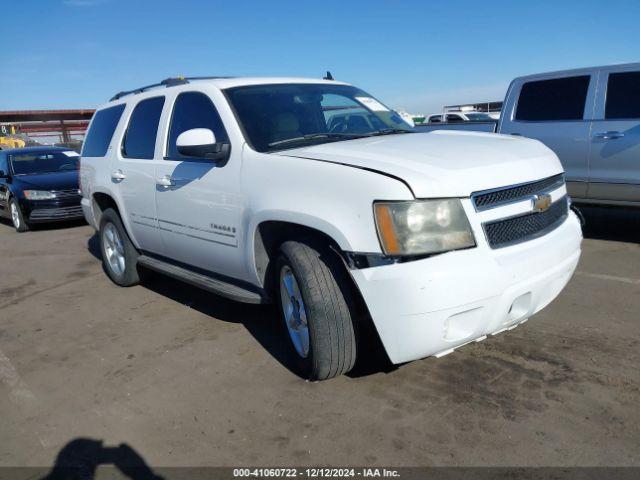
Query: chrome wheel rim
(293, 309)
(113, 249)
(15, 215)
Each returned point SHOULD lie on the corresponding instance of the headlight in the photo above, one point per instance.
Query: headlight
(39, 195)
(422, 227)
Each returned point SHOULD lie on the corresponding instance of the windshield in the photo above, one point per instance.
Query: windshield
(276, 117)
(479, 117)
(43, 162)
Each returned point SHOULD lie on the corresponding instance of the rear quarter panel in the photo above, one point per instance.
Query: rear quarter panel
(95, 172)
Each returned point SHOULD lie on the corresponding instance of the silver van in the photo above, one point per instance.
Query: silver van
(590, 118)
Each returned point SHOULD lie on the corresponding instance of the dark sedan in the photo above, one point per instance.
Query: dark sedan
(38, 185)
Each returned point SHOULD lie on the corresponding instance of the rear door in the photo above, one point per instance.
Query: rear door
(557, 111)
(615, 141)
(134, 171)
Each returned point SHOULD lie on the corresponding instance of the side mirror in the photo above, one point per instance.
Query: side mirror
(201, 143)
(3, 174)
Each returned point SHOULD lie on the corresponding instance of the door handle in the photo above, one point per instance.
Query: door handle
(118, 175)
(165, 181)
(612, 135)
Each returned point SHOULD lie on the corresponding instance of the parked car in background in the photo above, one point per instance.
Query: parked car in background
(315, 195)
(39, 185)
(590, 117)
(458, 117)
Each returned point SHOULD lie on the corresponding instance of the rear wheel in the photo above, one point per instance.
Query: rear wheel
(316, 307)
(119, 255)
(17, 218)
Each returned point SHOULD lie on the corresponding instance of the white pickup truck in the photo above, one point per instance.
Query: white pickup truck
(315, 195)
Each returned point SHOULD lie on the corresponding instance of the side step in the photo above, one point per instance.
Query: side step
(219, 287)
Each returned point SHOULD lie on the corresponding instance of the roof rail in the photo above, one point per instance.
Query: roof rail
(167, 82)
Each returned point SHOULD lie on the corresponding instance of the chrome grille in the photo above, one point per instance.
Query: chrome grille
(501, 196)
(521, 228)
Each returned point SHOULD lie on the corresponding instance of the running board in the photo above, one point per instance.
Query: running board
(219, 287)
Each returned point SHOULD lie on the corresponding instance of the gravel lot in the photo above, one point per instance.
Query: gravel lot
(185, 378)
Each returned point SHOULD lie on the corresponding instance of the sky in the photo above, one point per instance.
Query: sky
(414, 55)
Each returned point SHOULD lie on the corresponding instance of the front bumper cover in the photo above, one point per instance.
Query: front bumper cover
(432, 306)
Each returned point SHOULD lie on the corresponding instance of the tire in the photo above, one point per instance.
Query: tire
(17, 218)
(119, 255)
(315, 274)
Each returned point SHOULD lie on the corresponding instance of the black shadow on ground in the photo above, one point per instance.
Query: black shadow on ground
(47, 226)
(262, 321)
(619, 224)
(80, 458)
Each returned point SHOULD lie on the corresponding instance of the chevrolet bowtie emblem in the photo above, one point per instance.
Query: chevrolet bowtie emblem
(541, 202)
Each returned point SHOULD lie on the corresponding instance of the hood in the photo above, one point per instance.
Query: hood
(48, 181)
(443, 163)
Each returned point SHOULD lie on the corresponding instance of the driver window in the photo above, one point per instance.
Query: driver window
(193, 110)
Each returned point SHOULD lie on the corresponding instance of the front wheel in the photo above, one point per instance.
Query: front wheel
(315, 302)
(17, 218)
(119, 255)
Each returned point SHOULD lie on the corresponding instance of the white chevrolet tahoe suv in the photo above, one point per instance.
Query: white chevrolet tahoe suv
(315, 195)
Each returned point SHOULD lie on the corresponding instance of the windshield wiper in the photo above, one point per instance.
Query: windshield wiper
(389, 131)
(313, 136)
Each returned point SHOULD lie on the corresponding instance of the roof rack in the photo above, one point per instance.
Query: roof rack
(167, 82)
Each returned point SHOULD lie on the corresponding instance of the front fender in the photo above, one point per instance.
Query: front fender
(334, 199)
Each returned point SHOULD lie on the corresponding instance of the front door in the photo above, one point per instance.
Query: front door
(200, 206)
(615, 147)
(134, 172)
(558, 111)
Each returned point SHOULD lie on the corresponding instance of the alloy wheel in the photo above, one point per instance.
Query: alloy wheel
(15, 215)
(114, 249)
(295, 315)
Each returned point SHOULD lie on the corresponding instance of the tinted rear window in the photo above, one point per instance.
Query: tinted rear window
(623, 95)
(557, 99)
(102, 127)
(140, 139)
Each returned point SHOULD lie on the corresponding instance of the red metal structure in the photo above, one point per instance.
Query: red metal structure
(67, 125)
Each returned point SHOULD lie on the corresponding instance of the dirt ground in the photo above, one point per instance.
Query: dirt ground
(185, 378)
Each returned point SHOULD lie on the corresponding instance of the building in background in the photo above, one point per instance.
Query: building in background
(45, 127)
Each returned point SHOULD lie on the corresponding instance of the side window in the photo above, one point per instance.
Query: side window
(193, 110)
(435, 119)
(454, 118)
(623, 95)
(99, 136)
(556, 99)
(140, 138)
